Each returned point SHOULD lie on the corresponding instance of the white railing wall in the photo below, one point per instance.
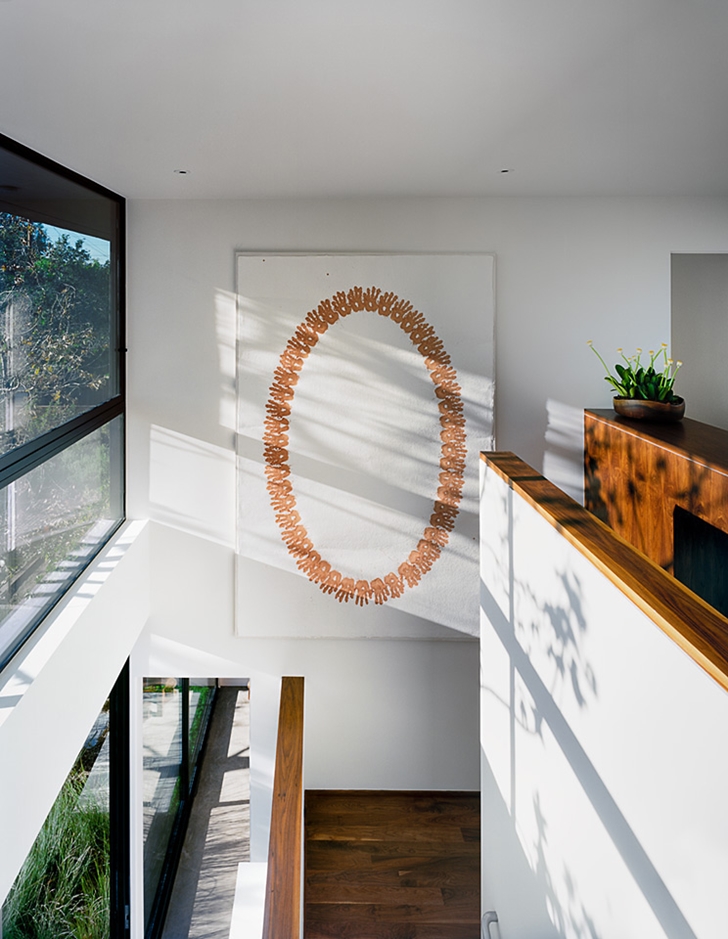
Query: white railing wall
(603, 744)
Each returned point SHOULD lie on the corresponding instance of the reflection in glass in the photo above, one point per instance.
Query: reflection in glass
(57, 352)
(63, 888)
(52, 521)
(201, 692)
(162, 776)
(177, 714)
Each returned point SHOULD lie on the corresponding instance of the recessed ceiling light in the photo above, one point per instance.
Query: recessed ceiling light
(505, 171)
(182, 172)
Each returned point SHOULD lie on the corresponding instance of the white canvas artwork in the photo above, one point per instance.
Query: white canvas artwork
(365, 394)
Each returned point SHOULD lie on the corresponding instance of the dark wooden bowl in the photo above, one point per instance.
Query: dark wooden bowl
(637, 409)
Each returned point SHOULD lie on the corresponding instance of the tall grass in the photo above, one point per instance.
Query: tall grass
(62, 891)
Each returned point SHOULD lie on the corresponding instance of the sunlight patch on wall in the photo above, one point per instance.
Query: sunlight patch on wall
(563, 459)
(360, 416)
(191, 485)
(225, 318)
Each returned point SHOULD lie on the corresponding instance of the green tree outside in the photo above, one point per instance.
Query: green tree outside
(55, 355)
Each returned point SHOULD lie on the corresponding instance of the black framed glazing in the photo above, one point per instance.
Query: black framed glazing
(62, 382)
(186, 706)
(120, 809)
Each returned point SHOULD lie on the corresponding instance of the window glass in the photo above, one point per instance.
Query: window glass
(63, 888)
(61, 382)
(52, 521)
(202, 692)
(163, 736)
(177, 714)
(57, 351)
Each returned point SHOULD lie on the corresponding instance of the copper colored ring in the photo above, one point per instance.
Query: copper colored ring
(452, 453)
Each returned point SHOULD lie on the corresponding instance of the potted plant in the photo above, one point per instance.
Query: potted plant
(645, 392)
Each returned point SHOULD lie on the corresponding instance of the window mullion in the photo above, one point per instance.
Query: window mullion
(26, 457)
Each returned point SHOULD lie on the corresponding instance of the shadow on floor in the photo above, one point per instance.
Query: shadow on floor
(218, 834)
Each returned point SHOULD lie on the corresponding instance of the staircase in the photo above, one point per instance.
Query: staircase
(392, 865)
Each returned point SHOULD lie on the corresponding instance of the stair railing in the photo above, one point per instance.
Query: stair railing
(282, 914)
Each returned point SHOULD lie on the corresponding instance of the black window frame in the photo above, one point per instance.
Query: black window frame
(22, 459)
(120, 807)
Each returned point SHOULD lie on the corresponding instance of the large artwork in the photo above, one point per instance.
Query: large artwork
(365, 393)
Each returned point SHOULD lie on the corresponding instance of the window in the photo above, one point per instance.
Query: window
(61, 382)
(177, 712)
(75, 880)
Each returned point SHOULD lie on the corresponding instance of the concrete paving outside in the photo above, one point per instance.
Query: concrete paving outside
(218, 834)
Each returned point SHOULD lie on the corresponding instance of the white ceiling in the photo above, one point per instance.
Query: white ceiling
(372, 97)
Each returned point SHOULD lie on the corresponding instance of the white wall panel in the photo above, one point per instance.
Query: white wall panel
(603, 770)
(700, 334)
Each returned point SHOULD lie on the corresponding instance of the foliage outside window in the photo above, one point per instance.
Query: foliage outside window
(63, 889)
(54, 346)
(61, 383)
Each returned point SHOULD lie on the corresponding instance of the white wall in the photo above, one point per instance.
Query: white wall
(53, 690)
(604, 769)
(567, 270)
(700, 334)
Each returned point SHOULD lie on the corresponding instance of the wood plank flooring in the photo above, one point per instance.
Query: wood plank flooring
(392, 865)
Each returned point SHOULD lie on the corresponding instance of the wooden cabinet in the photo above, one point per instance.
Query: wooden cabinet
(636, 473)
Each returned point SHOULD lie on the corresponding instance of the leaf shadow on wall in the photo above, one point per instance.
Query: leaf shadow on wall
(553, 636)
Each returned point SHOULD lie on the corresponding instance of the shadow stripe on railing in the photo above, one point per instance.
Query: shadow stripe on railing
(282, 915)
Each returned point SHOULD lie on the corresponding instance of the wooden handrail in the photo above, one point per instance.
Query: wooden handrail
(687, 619)
(282, 915)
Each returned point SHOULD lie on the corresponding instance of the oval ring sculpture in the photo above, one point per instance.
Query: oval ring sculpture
(452, 454)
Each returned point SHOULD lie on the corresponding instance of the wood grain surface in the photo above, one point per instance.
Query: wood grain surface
(282, 915)
(689, 621)
(392, 865)
(636, 472)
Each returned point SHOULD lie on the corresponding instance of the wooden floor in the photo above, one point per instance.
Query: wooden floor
(392, 865)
